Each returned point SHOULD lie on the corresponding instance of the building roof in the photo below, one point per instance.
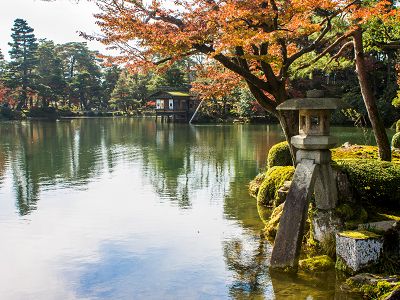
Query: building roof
(179, 94)
(169, 94)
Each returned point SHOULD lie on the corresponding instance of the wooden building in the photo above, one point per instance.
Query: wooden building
(173, 105)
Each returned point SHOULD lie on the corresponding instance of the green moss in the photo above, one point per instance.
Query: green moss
(359, 234)
(279, 155)
(396, 141)
(375, 288)
(360, 151)
(398, 126)
(316, 264)
(328, 245)
(345, 211)
(274, 179)
(374, 182)
(342, 266)
(389, 217)
(271, 225)
(264, 213)
(254, 185)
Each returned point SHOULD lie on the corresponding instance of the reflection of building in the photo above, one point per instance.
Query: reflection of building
(174, 104)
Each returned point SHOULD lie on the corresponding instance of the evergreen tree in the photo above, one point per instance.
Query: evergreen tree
(2, 65)
(110, 78)
(173, 77)
(123, 95)
(83, 74)
(51, 84)
(23, 60)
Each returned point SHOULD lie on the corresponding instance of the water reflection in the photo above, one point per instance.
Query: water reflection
(127, 208)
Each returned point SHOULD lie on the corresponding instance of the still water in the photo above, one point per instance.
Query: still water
(130, 209)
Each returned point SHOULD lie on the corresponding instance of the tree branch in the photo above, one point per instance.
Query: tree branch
(229, 64)
(327, 50)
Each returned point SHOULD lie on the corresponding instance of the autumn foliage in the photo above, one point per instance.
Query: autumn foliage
(261, 41)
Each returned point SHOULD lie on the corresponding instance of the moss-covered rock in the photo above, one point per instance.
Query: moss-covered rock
(279, 155)
(374, 182)
(275, 177)
(272, 223)
(396, 141)
(316, 264)
(255, 184)
(373, 286)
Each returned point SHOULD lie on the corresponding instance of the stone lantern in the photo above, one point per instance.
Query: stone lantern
(313, 174)
(314, 119)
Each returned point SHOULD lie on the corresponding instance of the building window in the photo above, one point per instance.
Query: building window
(171, 104)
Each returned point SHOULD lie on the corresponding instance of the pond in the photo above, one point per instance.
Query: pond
(130, 209)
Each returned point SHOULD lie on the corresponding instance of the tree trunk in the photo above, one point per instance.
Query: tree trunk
(369, 99)
(289, 121)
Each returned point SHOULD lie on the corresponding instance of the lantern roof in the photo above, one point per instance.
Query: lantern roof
(311, 104)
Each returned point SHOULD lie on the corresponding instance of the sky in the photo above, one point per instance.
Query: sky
(58, 20)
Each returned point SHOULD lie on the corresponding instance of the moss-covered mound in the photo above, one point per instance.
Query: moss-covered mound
(396, 141)
(275, 177)
(279, 155)
(316, 264)
(358, 152)
(374, 182)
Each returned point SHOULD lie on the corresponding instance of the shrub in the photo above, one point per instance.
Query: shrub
(279, 155)
(396, 140)
(43, 112)
(274, 179)
(373, 181)
(9, 114)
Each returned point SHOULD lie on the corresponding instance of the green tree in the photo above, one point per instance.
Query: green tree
(172, 77)
(110, 78)
(23, 61)
(124, 95)
(51, 84)
(83, 74)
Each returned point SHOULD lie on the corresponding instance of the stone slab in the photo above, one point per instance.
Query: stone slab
(311, 103)
(358, 249)
(313, 142)
(325, 223)
(286, 251)
(382, 226)
(319, 156)
(325, 190)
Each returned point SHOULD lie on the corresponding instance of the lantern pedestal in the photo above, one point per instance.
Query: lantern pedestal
(313, 174)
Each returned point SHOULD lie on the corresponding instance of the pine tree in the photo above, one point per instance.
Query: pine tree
(51, 84)
(2, 64)
(123, 96)
(23, 60)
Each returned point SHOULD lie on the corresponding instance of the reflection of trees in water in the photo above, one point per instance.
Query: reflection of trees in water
(247, 260)
(185, 160)
(43, 154)
(179, 160)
